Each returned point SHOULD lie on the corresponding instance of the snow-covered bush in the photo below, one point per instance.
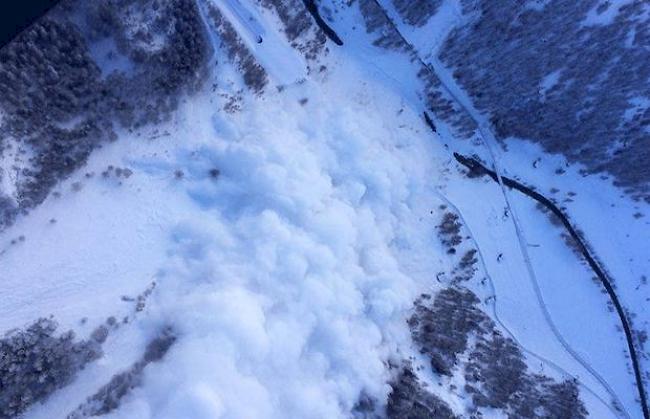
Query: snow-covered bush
(441, 327)
(108, 397)
(408, 399)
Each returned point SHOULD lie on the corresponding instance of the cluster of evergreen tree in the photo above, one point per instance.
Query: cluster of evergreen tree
(438, 101)
(450, 325)
(409, 398)
(299, 27)
(378, 23)
(417, 12)
(442, 329)
(47, 77)
(36, 361)
(57, 103)
(458, 338)
(109, 396)
(497, 377)
(449, 230)
(543, 72)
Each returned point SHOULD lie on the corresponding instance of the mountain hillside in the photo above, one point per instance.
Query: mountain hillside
(324, 209)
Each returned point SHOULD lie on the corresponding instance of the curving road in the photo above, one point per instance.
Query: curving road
(476, 167)
(498, 320)
(486, 134)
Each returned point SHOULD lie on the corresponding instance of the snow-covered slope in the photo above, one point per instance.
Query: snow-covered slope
(289, 237)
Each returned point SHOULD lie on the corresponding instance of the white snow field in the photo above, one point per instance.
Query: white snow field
(288, 278)
(288, 240)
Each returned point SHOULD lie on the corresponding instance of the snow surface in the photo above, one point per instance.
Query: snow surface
(548, 82)
(288, 278)
(283, 63)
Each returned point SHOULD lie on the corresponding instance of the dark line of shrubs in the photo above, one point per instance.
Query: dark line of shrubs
(109, 396)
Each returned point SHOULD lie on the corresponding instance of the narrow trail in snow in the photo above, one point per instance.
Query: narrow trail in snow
(495, 313)
(245, 18)
(483, 131)
(487, 138)
(478, 168)
(214, 41)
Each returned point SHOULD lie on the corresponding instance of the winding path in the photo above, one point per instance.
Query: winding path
(497, 318)
(486, 135)
(477, 168)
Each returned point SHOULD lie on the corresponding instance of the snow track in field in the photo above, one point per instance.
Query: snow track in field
(488, 140)
(493, 300)
(283, 63)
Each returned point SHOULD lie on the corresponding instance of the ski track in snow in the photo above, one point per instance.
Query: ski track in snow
(489, 141)
(283, 63)
(492, 300)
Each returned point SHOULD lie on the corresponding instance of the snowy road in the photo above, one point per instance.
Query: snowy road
(474, 165)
